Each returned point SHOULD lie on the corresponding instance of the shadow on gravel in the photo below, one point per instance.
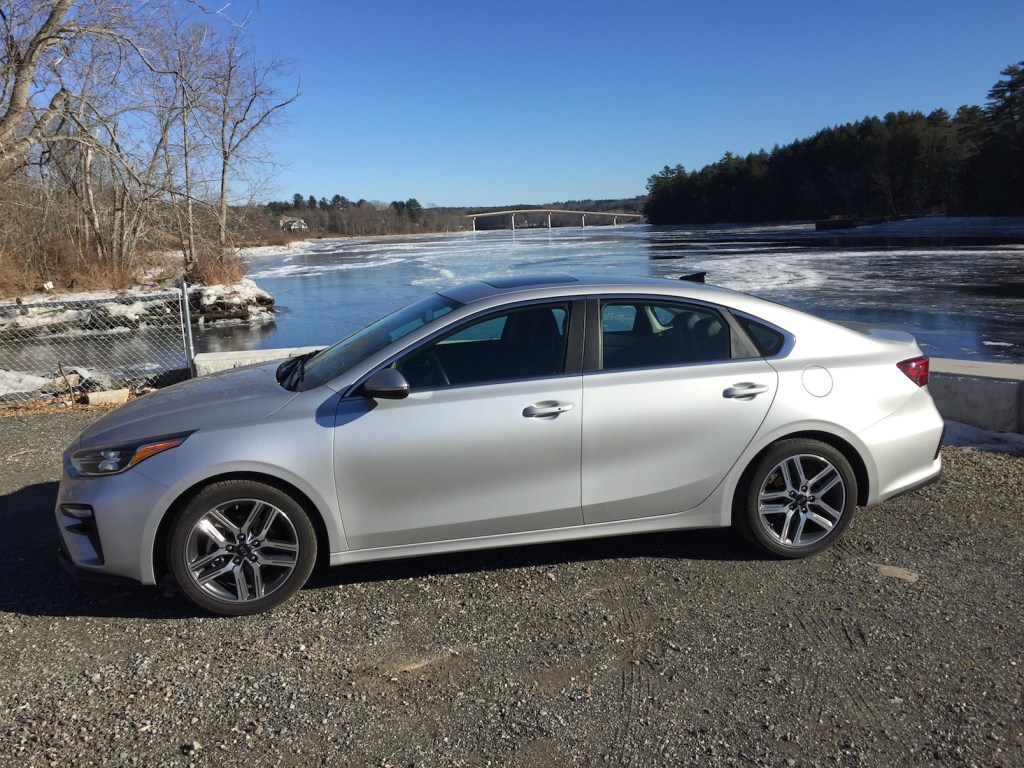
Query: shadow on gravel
(719, 544)
(35, 585)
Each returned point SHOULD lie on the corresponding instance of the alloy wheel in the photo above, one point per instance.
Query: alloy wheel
(801, 500)
(242, 550)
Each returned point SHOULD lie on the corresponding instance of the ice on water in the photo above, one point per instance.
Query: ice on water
(960, 302)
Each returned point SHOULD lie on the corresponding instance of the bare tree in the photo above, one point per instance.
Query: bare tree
(131, 124)
(32, 32)
(244, 102)
(195, 53)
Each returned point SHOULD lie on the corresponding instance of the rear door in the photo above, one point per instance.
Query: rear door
(670, 403)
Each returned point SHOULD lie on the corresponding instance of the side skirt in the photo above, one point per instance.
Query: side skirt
(707, 515)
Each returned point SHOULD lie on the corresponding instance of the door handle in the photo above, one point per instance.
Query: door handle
(546, 408)
(745, 391)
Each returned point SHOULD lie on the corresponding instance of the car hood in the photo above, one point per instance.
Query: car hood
(227, 397)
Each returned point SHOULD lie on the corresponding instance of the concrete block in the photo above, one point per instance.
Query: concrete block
(210, 362)
(107, 397)
(992, 404)
(977, 369)
(984, 395)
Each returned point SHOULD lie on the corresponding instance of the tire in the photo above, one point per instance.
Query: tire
(241, 547)
(798, 498)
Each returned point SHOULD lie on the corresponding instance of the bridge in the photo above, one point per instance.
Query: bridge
(615, 216)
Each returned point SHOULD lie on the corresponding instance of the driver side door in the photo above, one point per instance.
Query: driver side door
(488, 442)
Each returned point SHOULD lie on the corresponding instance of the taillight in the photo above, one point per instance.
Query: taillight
(916, 369)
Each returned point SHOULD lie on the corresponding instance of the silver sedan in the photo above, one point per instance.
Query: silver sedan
(503, 413)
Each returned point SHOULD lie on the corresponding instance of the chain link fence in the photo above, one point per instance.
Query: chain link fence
(62, 349)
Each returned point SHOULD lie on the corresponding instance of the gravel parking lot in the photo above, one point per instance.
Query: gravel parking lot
(900, 646)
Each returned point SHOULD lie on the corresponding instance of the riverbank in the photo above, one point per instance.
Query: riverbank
(205, 298)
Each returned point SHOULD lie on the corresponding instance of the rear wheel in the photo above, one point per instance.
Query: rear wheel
(799, 498)
(241, 547)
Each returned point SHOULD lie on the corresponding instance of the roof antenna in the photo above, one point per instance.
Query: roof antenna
(694, 277)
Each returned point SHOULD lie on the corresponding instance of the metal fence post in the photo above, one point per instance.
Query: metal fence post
(186, 330)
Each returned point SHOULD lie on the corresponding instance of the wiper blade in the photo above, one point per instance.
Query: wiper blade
(291, 372)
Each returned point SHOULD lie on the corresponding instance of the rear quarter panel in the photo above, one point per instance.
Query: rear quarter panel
(871, 405)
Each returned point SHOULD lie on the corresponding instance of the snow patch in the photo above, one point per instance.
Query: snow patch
(12, 382)
(39, 317)
(241, 293)
(966, 436)
(131, 311)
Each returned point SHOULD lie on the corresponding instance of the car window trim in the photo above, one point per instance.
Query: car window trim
(573, 365)
(741, 346)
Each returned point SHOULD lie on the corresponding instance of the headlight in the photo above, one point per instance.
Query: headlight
(111, 459)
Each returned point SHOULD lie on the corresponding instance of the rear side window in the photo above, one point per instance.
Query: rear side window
(646, 334)
(767, 340)
(618, 318)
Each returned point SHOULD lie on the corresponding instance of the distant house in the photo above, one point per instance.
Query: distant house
(294, 225)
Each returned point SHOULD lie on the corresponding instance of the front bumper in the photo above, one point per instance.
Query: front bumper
(81, 574)
(108, 525)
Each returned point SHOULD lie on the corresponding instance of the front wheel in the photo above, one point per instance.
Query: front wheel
(798, 499)
(241, 547)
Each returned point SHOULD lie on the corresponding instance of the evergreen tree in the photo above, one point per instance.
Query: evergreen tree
(902, 163)
(1002, 157)
(414, 209)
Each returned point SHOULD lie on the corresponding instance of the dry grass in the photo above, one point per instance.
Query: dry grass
(60, 263)
(279, 238)
(15, 280)
(50, 406)
(70, 273)
(217, 269)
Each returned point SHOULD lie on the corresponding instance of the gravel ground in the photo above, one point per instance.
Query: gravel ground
(899, 646)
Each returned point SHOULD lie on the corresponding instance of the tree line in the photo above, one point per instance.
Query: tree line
(126, 128)
(342, 216)
(905, 163)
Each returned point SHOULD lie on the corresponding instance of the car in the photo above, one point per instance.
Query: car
(500, 413)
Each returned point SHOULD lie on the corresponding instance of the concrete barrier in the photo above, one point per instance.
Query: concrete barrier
(211, 362)
(984, 395)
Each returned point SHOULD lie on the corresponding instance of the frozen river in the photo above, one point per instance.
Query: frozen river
(965, 301)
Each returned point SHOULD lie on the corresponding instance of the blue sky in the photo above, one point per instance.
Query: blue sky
(484, 103)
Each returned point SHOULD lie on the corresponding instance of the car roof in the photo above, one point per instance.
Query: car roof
(495, 292)
(541, 286)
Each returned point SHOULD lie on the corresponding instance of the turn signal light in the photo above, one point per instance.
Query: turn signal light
(916, 369)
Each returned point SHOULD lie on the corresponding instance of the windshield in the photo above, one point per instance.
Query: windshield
(334, 361)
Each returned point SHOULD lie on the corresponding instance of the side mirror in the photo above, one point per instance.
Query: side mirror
(386, 384)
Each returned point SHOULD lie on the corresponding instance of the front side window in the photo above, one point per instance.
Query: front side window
(523, 343)
(660, 333)
(336, 360)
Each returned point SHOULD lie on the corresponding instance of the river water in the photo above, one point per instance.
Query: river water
(960, 302)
